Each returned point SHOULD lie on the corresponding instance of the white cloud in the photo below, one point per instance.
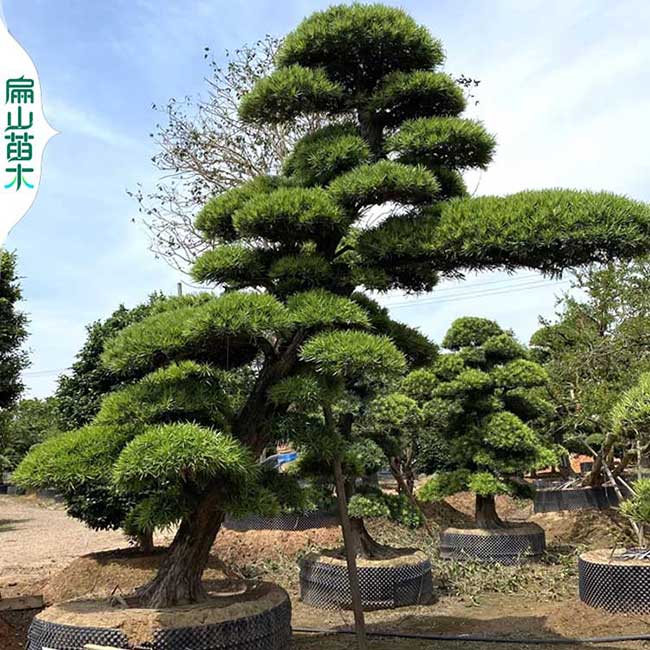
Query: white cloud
(67, 118)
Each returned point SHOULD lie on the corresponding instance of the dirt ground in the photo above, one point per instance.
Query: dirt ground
(37, 539)
(46, 552)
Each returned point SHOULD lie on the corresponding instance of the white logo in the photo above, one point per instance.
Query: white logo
(24, 132)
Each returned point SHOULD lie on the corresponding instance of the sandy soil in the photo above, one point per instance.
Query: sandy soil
(37, 539)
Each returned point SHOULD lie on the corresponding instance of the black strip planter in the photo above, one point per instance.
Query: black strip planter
(267, 628)
(49, 493)
(509, 545)
(594, 498)
(614, 584)
(284, 521)
(384, 584)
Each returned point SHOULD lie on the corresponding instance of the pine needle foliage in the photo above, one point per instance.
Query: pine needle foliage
(467, 401)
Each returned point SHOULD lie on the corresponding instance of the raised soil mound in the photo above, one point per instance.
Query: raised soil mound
(512, 544)
(259, 618)
(100, 575)
(592, 529)
(613, 583)
(403, 579)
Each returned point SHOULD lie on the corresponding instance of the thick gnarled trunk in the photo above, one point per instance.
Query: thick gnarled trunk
(179, 578)
(486, 512)
(365, 546)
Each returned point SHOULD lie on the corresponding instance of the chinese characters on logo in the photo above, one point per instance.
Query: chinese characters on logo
(19, 95)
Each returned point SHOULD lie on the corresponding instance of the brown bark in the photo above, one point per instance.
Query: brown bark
(348, 541)
(179, 578)
(363, 543)
(486, 512)
(404, 486)
(373, 132)
(254, 418)
(595, 478)
(145, 542)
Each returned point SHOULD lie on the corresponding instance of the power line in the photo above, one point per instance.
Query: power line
(494, 291)
(41, 373)
(496, 287)
(467, 286)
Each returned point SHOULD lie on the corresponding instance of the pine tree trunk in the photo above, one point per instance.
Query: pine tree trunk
(364, 545)
(179, 578)
(145, 542)
(486, 512)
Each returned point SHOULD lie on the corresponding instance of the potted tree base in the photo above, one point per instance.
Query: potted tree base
(401, 578)
(253, 617)
(493, 540)
(616, 581)
(512, 544)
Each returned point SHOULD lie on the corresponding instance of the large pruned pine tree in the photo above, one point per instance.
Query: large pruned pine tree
(290, 251)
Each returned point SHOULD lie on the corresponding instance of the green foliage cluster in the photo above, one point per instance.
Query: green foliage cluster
(443, 142)
(13, 332)
(404, 95)
(321, 157)
(467, 401)
(637, 507)
(375, 504)
(631, 414)
(594, 351)
(29, 422)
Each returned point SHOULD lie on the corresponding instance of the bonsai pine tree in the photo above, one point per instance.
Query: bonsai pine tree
(290, 251)
(480, 398)
(337, 402)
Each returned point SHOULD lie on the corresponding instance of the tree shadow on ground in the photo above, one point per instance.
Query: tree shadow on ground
(518, 628)
(347, 642)
(7, 525)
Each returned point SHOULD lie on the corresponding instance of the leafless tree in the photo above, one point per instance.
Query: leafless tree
(205, 149)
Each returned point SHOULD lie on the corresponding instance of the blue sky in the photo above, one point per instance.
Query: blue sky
(564, 85)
